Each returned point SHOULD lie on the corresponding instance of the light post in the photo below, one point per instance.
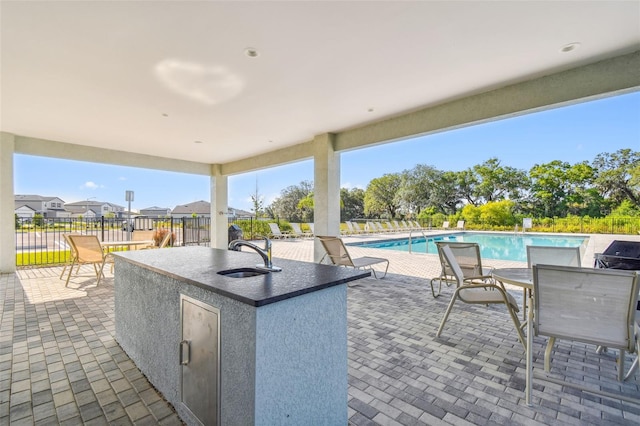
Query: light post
(128, 195)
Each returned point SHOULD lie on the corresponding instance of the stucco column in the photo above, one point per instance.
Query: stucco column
(219, 209)
(7, 205)
(326, 190)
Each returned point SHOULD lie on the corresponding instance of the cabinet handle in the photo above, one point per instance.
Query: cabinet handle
(184, 352)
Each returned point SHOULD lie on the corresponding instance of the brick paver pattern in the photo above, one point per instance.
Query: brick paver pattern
(60, 362)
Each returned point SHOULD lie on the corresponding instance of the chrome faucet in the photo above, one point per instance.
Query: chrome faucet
(264, 253)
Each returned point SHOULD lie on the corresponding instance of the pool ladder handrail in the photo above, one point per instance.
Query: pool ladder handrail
(411, 232)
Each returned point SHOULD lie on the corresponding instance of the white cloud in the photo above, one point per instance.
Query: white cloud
(122, 178)
(89, 185)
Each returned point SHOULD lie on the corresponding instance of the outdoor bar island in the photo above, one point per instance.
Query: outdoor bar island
(238, 348)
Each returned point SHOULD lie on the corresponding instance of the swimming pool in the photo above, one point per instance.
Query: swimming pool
(492, 246)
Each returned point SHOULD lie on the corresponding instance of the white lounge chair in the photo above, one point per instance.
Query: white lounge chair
(276, 233)
(297, 230)
(460, 225)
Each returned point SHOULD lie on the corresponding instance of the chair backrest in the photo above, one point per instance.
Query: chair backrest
(310, 225)
(452, 264)
(275, 229)
(460, 224)
(296, 228)
(467, 256)
(336, 251)
(445, 224)
(165, 240)
(72, 249)
(548, 255)
(142, 235)
(87, 247)
(595, 306)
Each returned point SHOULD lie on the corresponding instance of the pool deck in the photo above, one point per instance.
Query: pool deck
(60, 362)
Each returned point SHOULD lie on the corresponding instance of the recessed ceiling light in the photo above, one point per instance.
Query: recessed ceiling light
(197, 141)
(270, 141)
(164, 114)
(370, 110)
(251, 52)
(569, 47)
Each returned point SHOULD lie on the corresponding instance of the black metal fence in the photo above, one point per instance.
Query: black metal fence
(39, 241)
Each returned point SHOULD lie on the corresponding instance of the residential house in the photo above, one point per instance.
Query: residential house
(94, 209)
(48, 207)
(203, 209)
(197, 208)
(24, 212)
(155, 212)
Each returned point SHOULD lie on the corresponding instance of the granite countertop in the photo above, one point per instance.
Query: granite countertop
(199, 266)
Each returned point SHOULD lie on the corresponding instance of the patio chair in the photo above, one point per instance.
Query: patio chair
(88, 252)
(445, 225)
(337, 253)
(164, 242)
(460, 225)
(142, 236)
(550, 255)
(72, 254)
(275, 233)
(311, 228)
(353, 227)
(468, 258)
(297, 230)
(391, 228)
(587, 305)
(476, 294)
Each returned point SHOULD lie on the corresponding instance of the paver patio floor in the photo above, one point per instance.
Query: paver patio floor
(60, 362)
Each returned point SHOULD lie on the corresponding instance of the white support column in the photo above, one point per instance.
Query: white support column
(7, 205)
(326, 190)
(219, 208)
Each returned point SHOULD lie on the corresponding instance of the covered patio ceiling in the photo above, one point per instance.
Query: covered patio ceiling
(212, 82)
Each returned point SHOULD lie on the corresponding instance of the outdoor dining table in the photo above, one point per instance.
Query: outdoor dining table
(126, 243)
(522, 277)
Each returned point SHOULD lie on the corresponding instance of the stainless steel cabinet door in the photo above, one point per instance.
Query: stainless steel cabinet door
(199, 356)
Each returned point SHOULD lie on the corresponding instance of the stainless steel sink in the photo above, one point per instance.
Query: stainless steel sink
(243, 272)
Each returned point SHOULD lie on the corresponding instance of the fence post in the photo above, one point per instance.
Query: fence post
(184, 230)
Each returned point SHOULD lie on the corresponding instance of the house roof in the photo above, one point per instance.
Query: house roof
(204, 207)
(155, 208)
(217, 82)
(23, 198)
(197, 207)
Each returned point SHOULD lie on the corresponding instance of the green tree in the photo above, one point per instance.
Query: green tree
(416, 188)
(258, 202)
(381, 197)
(286, 206)
(491, 181)
(306, 206)
(445, 195)
(550, 187)
(38, 219)
(626, 208)
(352, 201)
(498, 213)
(618, 176)
(471, 214)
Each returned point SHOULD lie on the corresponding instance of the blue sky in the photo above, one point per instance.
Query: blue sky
(573, 134)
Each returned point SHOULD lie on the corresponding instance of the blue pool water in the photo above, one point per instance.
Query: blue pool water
(492, 246)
